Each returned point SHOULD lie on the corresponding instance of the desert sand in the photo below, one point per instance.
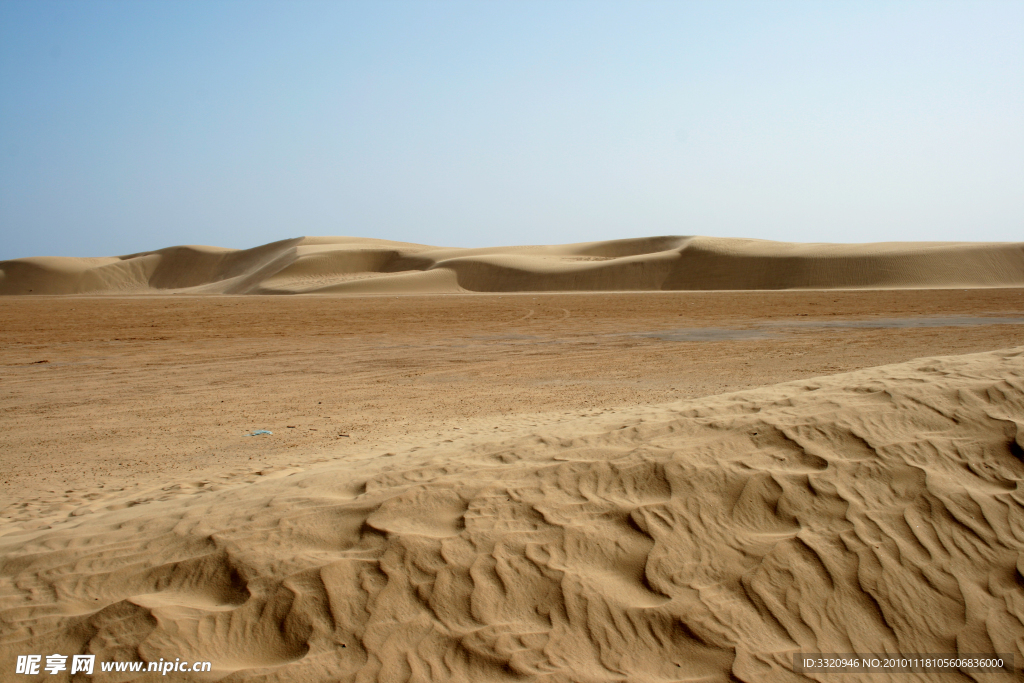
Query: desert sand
(516, 485)
(346, 265)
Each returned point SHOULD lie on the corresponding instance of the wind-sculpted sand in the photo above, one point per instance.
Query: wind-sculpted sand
(707, 539)
(551, 487)
(348, 265)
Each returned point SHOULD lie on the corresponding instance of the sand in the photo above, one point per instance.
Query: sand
(650, 486)
(347, 265)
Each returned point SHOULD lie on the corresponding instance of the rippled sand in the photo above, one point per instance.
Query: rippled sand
(529, 487)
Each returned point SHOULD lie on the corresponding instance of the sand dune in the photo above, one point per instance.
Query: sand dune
(366, 266)
(875, 511)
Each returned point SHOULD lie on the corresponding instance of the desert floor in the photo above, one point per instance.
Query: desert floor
(561, 488)
(108, 394)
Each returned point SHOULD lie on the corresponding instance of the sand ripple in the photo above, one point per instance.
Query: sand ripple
(877, 511)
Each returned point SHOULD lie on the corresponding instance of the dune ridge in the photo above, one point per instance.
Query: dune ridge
(709, 539)
(348, 265)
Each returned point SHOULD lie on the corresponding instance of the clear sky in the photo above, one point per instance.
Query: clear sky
(129, 126)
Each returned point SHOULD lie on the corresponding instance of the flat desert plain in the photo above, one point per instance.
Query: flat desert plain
(529, 486)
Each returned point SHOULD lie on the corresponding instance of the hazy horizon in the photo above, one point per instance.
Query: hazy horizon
(128, 127)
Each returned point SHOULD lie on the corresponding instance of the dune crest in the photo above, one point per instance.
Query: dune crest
(874, 511)
(345, 265)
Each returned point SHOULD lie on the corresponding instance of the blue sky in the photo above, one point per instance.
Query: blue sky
(129, 126)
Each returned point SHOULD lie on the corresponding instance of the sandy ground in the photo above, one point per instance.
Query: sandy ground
(138, 391)
(537, 487)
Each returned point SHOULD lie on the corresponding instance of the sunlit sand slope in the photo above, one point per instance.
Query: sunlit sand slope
(367, 266)
(876, 511)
